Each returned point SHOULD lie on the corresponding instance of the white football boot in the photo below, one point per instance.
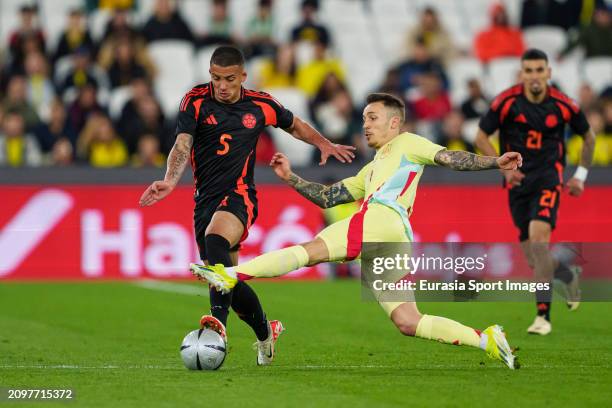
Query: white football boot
(540, 326)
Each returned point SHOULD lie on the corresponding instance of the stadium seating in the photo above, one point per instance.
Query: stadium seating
(176, 74)
(298, 152)
(118, 98)
(502, 73)
(548, 39)
(460, 71)
(598, 72)
(196, 13)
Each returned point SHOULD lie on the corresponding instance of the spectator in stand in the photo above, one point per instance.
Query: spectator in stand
(602, 154)
(607, 115)
(431, 102)
(500, 39)
(62, 153)
(308, 29)
(125, 66)
(337, 120)
(476, 104)
(16, 100)
(220, 31)
(278, 72)
(148, 118)
(412, 70)
(120, 26)
(17, 148)
(26, 38)
(330, 86)
(148, 154)
(99, 144)
(451, 133)
(260, 32)
(140, 88)
(40, 89)
(166, 24)
(74, 36)
(109, 4)
(434, 37)
(391, 83)
(564, 14)
(311, 75)
(82, 73)
(84, 105)
(595, 38)
(58, 128)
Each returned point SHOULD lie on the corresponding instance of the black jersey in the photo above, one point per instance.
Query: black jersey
(536, 130)
(225, 136)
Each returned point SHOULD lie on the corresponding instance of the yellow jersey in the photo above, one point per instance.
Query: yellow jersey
(391, 178)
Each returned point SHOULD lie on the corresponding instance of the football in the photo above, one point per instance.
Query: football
(203, 349)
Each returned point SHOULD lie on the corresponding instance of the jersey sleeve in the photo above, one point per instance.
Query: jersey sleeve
(356, 184)
(420, 150)
(274, 112)
(186, 120)
(489, 123)
(578, 122)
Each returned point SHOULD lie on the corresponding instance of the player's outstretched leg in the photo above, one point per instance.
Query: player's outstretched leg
(410, 322)
(271, 264)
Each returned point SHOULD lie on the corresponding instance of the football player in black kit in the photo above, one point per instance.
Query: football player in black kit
(218, 126)
(531, 119)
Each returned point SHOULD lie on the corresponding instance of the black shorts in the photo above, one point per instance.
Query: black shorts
(541, 204)
(242, 203)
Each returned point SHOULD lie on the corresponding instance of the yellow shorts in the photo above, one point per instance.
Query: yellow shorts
(374, 223)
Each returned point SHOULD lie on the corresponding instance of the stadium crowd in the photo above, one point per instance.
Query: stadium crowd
(56, 99)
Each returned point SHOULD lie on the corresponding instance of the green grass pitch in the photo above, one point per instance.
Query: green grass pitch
(117, 345)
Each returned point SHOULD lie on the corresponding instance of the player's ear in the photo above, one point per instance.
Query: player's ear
(548, 72)
(395, 122)
(243, 76)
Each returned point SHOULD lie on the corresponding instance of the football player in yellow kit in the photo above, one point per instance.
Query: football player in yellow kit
(388, 187)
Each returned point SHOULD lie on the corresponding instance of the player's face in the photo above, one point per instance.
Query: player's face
(227, 82)
(378, 125)
(535, 75)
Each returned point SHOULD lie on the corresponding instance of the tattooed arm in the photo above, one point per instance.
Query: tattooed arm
(178, 158)
(320, 194)
(177, 162)
(462, 161)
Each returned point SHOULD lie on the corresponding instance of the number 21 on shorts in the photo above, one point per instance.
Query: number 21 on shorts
(224, 143)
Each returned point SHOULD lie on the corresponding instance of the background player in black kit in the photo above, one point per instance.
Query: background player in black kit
(217, 130)
(531, 119)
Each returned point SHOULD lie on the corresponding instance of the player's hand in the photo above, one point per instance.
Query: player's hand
(510, 161)
(155, 192)
(343, 153)
(575, 187)
(514, 177)
(282, 167)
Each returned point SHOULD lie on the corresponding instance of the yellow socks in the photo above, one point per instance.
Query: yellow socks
(275, 263)
(447, 331)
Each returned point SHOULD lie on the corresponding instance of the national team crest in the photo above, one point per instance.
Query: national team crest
(551, 120)
(249, 121)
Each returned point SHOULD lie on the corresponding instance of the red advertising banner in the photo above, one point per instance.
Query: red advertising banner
(100, 232)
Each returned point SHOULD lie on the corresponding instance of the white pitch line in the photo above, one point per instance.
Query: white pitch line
(78, 367)
(171, 287)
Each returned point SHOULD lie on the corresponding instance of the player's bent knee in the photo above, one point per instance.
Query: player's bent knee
(317, 251)
(406, 318)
